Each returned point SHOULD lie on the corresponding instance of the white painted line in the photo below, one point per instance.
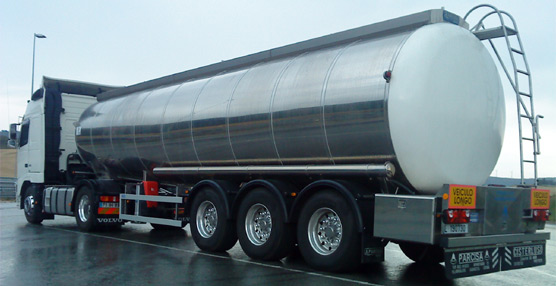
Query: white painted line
(221, 257)
(542, 272)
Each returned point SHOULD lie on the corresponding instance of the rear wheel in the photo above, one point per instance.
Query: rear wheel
(326, 233)
(261, 227)
(32, 205)
(86, 210)
(423, 253)
(210, 228)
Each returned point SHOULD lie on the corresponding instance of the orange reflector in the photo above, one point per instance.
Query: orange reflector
(293, 194)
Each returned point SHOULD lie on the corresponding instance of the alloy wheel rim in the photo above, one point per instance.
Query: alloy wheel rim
(325, 231)
(206, 219)
(258, 224)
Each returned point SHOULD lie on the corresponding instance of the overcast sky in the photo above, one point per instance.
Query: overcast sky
(126, 42)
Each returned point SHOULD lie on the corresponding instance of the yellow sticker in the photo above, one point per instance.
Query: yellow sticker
(462, 197)
(540, 199)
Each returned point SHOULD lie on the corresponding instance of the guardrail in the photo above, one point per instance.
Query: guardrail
(7, 188)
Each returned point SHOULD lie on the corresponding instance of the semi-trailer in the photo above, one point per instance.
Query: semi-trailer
(335, 145)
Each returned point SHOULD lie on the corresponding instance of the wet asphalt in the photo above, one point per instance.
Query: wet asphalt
(56, 253)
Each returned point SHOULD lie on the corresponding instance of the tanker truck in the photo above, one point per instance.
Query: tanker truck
(336, 146)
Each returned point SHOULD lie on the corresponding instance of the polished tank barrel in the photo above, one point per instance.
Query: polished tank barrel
(437, 115)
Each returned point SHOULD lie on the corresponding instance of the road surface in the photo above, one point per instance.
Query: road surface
(56, 253)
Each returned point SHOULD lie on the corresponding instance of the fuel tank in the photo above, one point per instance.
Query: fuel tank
(427, 98)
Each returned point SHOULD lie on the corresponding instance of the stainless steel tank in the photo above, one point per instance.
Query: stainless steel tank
(439, 118)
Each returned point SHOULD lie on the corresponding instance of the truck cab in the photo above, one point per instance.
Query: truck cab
(47, 153)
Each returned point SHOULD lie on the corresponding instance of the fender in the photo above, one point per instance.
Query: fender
(226, 190)
(347, 190)
(279, 189)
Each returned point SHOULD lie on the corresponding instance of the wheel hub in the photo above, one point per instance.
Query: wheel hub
(207, 219)
(28, 205)
(84, 208)
(325, 231)
(258, 224)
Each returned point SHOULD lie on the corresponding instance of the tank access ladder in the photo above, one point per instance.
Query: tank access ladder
(524, 96)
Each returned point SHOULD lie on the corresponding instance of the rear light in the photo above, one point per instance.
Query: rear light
(109, 199)
(541, 215)
(456, 216)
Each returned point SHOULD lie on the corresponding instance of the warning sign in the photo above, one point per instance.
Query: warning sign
(540, 199)
(462, 197)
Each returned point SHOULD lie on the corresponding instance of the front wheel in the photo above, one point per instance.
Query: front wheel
(32, 206)
(327, 234)
(86, 210)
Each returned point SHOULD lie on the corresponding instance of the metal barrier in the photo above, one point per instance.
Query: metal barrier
(7, 188)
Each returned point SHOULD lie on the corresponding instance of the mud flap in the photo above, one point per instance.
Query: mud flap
(523, 255)
(372, 249)
(464, 262)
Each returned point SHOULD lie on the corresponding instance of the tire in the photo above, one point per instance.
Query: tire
(335, 245)
(85, 210)
(261, 227)
(423, 253)
(210, 228)
(163, 227)
(32, 205)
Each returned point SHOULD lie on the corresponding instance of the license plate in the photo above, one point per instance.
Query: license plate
(456, 228)
(108, 205)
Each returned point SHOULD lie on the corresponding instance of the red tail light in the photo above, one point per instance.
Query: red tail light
(456, 216)
(114, 199)
(541, 215)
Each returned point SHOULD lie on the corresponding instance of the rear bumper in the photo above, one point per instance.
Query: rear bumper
(467, 241)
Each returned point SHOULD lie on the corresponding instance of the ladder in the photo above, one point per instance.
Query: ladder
(524, 96)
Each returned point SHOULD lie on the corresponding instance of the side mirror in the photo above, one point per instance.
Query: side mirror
(11, 143)
(13, 131)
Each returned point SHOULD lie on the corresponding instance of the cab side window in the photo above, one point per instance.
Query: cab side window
(24, 138)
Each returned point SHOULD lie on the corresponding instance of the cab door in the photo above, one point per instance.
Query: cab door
(23, 149)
